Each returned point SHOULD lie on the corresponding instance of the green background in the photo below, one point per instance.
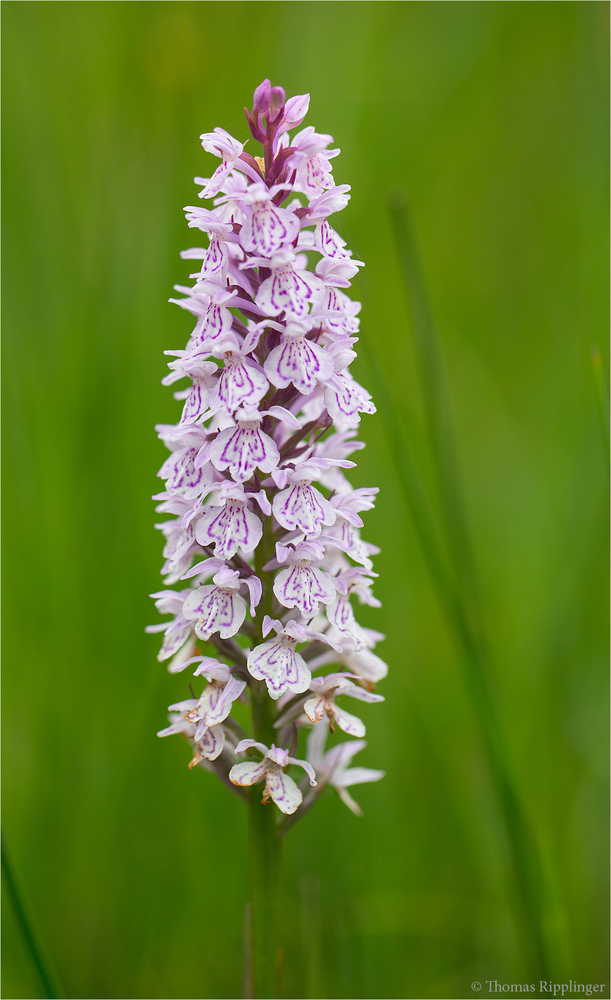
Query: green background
(134, 869)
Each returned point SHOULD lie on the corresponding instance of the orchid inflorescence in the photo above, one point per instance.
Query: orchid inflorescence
(271, 410)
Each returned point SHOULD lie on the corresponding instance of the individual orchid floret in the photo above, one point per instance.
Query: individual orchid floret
(362, 663)
(358, 581)
(179, 436)
(293, 113)
(247, 578)
(267, 228)
(191, 711)
(337, 271)
(339, 445)
(366, 665)
(228, 205)
(340, 311)
(329, 243)
(328, 203)
(189, 366)
(211, 740)
(289, 288)
(231, 526)
(215, 321)
(302, 585)
(326, 690)
(215, 260)
(177, 631)
(197, 397)
(309, 157)
(183, 475)
(241, 383)
(301, 505)
(279, 787)
(209, 222)
(179, 725)
(345, 400)
(278, 663)
(229, 149)
(347, 505)
(333, 768)
(244, 447)
(344, 534)
(340, 612)
(298, 360)
(179, 550)
(216, 607)
(217, 697)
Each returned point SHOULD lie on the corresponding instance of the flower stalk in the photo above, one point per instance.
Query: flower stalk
(266, 898)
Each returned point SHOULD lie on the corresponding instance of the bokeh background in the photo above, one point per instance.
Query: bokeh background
(134, 869)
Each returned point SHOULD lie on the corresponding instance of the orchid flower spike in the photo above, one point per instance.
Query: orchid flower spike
(264, 559)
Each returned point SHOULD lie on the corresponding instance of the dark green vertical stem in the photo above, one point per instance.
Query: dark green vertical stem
(265, 839)
(459, 594)
(12, 888)
(265, 848)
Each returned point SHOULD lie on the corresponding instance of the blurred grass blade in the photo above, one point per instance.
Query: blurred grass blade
(10, 881)
(436, 404)
(602, 392)
(412, 487)
(529, 883)
(464, 609)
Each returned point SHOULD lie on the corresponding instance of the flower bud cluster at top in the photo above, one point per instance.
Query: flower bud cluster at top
(266, 527)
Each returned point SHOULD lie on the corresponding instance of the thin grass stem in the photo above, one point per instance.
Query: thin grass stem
(455, 577)
(437, 409)
(12, 887)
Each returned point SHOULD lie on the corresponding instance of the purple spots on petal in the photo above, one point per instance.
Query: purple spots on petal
(195, 403)
(215, 261)
(303, 587)
(215, 321)
(182, 475)
(243, 450)
(299, 361)
(240, 384)
(303, 507)
(268, 229)
(280, 666)
(230, 527)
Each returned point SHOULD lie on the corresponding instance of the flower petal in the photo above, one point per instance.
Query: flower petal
(247, 773)
(283, 790)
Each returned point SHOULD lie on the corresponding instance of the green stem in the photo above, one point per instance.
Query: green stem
(10, 882)
(602, 396)
(265, 859)
(265, 853)
(459, 592)
(265, 840)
